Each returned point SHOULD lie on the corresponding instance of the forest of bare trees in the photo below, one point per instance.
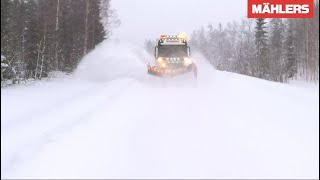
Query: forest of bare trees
(43, 36)
(272, 49)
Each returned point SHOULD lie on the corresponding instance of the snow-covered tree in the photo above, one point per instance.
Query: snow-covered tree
(247, 61)
(289, 49)
(40, 36)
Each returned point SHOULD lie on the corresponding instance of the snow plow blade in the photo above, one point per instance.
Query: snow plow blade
(156, 71)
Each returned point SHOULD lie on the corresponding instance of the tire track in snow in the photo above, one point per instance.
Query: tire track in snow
(17, 121)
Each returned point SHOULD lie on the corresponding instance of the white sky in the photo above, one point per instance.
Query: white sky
(148, 19)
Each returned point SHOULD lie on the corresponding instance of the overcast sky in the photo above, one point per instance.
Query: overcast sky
(147, 19)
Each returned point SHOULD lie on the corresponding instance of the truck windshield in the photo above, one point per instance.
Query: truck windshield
(173, 51)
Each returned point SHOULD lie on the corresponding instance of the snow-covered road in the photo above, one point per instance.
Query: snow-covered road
(111, 120)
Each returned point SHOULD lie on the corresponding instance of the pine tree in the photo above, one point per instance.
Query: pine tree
(277, 62)
(5, 18)
(290, 52)
(261, 49)
(32, 37)
(11, 41)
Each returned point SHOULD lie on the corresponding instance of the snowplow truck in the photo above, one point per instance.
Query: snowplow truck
(172, 57)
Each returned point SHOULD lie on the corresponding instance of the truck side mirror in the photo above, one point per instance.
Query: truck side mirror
(156, 51)
(189, 51)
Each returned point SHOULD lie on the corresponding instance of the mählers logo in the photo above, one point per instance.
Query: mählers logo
(280, 9)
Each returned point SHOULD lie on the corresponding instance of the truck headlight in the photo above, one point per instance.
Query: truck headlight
(160, 60)
(163, 65)
(187, 61)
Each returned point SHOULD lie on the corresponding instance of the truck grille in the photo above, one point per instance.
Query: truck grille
(174, 63)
